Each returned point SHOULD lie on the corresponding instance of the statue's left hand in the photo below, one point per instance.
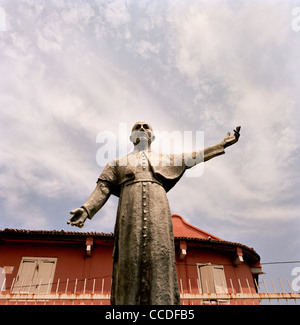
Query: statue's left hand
(230, 140)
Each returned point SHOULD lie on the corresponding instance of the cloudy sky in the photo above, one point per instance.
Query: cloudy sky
(70, 70)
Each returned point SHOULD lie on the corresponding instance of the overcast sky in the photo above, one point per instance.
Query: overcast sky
(72, 69)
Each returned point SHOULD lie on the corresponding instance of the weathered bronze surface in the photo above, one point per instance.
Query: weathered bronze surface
(144, 269)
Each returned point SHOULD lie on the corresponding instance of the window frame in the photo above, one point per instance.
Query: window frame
(214, 281)
(30, 279)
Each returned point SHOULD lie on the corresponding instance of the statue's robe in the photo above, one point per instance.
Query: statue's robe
(144, 268)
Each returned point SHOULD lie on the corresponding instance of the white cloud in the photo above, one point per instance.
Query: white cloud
(234, 61)
(146, 49)
(112, 20)
(50, 36)
(77, 13)
(116, 13)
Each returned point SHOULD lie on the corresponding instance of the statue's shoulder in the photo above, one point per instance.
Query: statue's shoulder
(166, 160)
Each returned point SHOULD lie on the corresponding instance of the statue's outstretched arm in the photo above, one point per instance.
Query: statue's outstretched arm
(207, 153)
(218, 149)
(94, 203)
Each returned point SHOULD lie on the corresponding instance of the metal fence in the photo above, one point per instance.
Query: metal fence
(95, 292)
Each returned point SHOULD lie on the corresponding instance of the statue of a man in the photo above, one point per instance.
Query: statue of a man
(144, 267)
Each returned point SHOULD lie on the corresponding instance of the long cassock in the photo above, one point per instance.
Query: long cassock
(144, 268)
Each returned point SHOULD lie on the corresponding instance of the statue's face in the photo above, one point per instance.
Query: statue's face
(142, 132)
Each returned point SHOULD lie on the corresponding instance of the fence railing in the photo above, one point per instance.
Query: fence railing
(96, 292)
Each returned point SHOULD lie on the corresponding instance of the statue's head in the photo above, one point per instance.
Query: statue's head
(142, 134)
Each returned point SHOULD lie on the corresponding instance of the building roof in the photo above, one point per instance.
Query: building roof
(183, 231)
(55, 232)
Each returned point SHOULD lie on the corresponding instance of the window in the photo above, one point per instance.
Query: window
(35, 275)
(212, 278)
(2, 279)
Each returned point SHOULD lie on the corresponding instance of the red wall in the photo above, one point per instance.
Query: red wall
(73, 263)
(235, 275)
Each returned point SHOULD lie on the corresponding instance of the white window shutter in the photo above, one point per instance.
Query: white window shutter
(35, 275)
(219, 279)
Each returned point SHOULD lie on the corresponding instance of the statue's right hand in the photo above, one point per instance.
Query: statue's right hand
(78, 218)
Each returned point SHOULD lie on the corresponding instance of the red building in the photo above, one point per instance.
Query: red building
(80, 263)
